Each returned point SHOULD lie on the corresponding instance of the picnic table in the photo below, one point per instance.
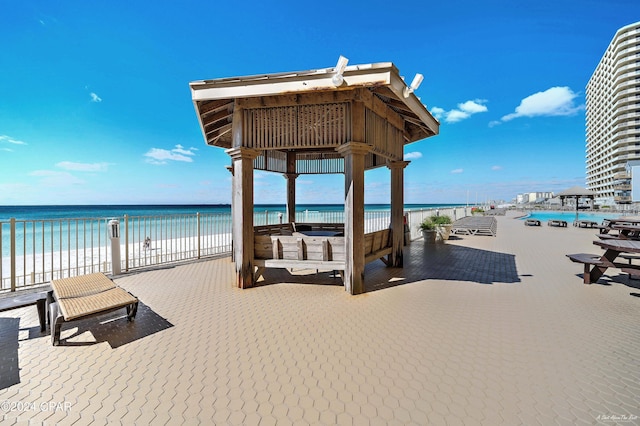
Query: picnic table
(595, 266)
(626, 231)
(608, 224)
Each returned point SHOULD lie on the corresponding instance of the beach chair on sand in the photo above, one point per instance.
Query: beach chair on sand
(85, 296)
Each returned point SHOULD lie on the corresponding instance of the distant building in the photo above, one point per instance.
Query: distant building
(613, 118)
(630, 187)
(533, 197)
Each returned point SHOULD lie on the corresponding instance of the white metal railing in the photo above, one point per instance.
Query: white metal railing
(33, 252)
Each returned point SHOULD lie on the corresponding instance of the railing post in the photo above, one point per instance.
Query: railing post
(13, 253)
(114, 236)
(126, 243)
(198, 222)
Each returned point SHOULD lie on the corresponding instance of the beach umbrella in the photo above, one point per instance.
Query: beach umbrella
(576, 192)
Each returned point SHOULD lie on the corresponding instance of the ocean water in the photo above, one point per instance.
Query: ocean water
(118, 211)
(47, 229)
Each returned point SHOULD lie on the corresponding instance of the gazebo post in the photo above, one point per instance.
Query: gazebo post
(291, 176)
(353, 153)
(397, 210)
(242, 202)
(230, 169)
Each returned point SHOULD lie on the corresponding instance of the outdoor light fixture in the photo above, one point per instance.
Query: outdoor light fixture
(414, 85)
(340, 67)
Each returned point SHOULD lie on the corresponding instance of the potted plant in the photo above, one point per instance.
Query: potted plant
(429, 231)
(443, 225)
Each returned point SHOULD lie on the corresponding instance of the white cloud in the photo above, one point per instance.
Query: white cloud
(53, 178)
(83, 167)
(464, 111)
(496, 168)
(179, 149)
(9, 139)
(437, 112)
(95, 97)
(457, 171)
(162, 156)
(556, 101)
(412, 155)
(473, 107)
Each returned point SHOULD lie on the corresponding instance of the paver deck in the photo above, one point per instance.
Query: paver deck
(480, 330)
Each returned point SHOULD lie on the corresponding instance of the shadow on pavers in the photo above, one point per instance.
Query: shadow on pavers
(9, 370)
(114, 328)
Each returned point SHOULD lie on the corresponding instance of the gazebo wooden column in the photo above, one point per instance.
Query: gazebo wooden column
(291, 196)
(242, 210)
(397, 210)
(291, 176)
(353, 153)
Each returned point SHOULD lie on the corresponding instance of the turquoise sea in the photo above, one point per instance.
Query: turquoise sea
(46, 229)
(115, 211)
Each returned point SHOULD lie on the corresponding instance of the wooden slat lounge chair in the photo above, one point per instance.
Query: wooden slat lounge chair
(85, 296)
(557, 223)
(475, 225)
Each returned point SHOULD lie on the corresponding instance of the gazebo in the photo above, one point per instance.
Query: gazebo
(344, 119)
(576, 192)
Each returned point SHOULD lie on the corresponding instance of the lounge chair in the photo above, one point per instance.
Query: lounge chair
(475, 225)
(85, 296)
(557, 223)
(532, 222)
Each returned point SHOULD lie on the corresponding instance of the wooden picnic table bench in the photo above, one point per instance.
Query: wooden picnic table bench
(596, 265)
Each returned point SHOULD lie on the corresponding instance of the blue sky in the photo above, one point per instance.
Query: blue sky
(95, 106)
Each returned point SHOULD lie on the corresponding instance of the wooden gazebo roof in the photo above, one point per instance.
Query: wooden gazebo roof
(308, 112)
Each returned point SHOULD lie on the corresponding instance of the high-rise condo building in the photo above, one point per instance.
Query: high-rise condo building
(613, 118)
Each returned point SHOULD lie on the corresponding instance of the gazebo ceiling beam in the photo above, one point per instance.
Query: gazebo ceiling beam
(215, 119)
(378, 106)
(218, 132)
(205, 107)
(293, 99)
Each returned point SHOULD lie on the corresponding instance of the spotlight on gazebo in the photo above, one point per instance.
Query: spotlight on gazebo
(417, 80)
(340, 67)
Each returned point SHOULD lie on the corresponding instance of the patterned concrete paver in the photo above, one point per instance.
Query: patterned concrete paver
(480, 330)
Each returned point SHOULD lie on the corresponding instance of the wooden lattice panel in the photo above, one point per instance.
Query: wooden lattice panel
(299, 126)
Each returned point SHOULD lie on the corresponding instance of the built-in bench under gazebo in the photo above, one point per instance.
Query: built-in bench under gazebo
(345, 119)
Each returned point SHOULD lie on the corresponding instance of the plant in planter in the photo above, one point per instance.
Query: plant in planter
(429, 231)
(443, 225)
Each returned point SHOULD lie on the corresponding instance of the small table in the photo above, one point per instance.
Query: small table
(20, 301)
